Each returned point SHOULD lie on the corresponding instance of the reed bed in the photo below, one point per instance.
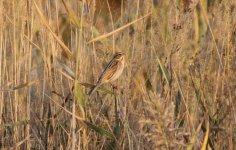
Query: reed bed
(177, 91)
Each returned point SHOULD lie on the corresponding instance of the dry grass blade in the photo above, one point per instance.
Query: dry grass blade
(32, 43)
(72, 16)
(194, 137)
(100, 130)
(205, 142)
(101, 89)
(163, 68)
(198, 95)
(67, 111)
(64, 47)
(21, 142)
(117, 30)
(64, 69)
(164, 71)
(213, 37)
(26, 84)
(18, 123)
(79, 94)
(182, 95)
(80, 24)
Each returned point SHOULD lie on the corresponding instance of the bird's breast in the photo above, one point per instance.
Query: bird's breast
(119, 71)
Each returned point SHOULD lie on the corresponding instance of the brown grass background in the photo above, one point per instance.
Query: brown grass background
(177, 91)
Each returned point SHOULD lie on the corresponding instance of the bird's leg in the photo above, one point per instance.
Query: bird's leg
(114, 87)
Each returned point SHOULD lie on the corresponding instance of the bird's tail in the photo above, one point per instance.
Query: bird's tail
(94, 88)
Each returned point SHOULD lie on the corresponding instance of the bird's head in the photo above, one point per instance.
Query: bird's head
(119, 55)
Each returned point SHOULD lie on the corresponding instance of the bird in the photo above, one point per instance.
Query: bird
(111, 72)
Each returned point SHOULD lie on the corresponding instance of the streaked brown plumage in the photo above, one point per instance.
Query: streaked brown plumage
(111, 72)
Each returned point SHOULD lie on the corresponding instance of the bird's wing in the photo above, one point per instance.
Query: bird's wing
(109, 71)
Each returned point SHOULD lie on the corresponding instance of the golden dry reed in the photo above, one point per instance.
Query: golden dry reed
(177, 89)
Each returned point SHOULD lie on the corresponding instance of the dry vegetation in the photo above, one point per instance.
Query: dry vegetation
(178, 89)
